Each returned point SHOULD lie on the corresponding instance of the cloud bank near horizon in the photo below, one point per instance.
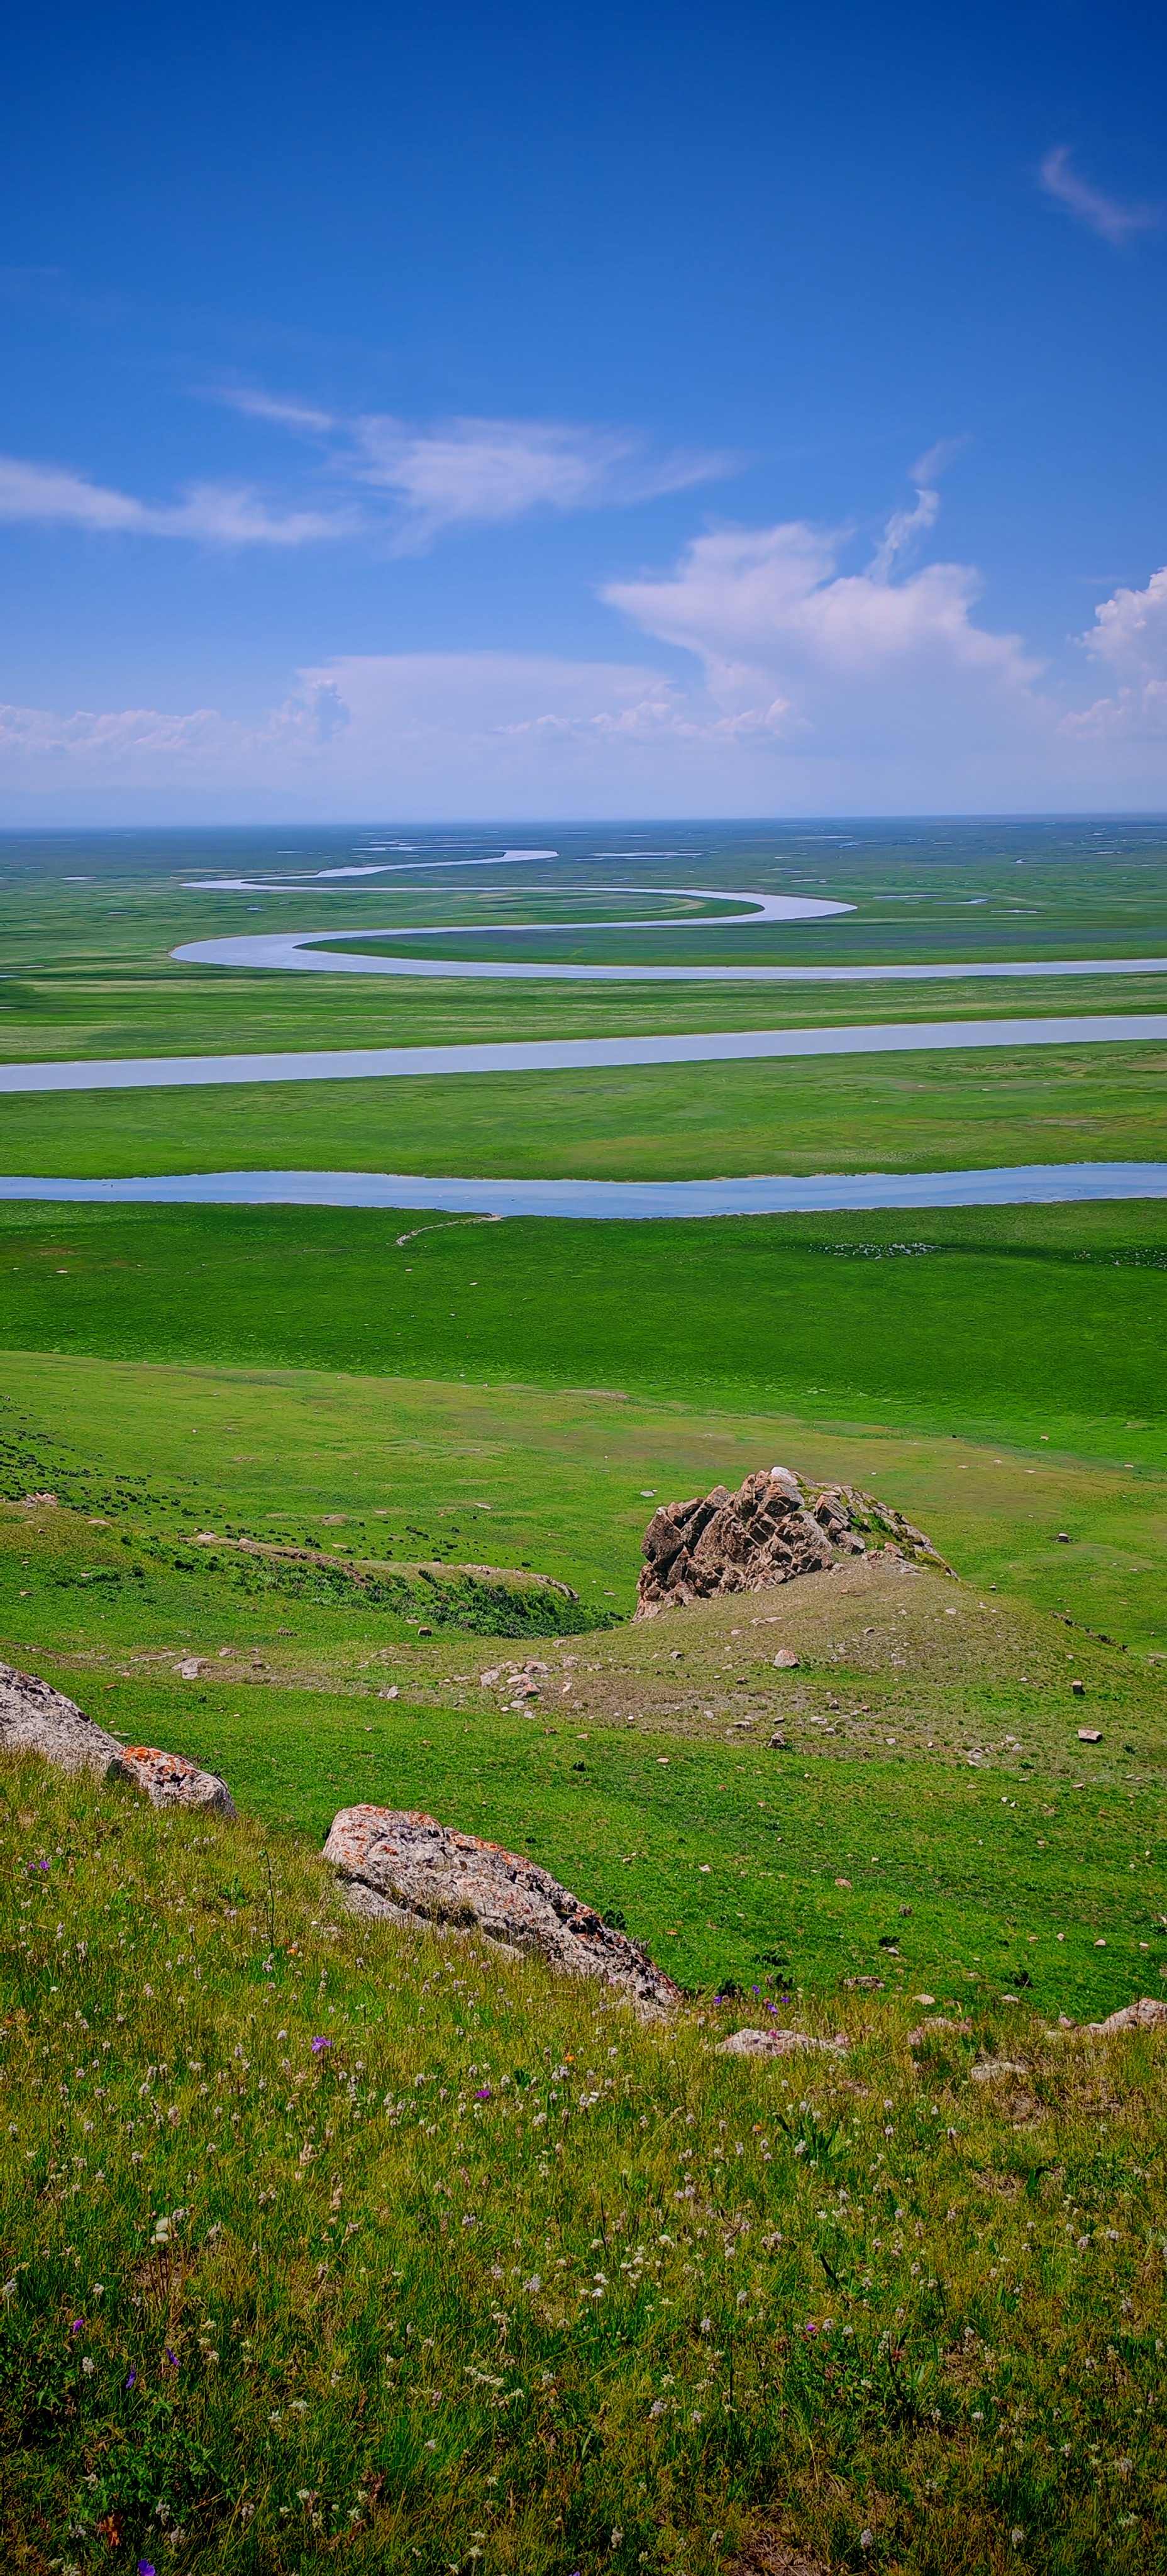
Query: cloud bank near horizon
(789, 683)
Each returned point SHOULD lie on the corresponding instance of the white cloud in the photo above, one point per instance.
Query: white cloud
(487, 471)
(469, 472)
(213, 513)
(1104, 215)
(414, 483)
(795, 647)
(1129, 632)
(791, 686)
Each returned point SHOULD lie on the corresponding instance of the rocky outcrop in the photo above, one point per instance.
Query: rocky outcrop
(407, 1867)
(776, 1527)
(35, 1718)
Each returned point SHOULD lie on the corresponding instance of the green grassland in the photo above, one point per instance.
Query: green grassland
(1003, 1323)
(328, 2243)
(89, 971)
(268, 2305)
(924, 1112)
(934, 1739)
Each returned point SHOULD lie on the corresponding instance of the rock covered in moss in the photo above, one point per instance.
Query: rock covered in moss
(407, 1867)
(776, 1527)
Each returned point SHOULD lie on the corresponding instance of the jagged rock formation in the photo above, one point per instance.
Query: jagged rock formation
(35, 1718)
(775, 1527)
(408, 1868)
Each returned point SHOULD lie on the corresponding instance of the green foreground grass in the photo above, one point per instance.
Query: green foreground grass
(909, 1113)
(323, 2242)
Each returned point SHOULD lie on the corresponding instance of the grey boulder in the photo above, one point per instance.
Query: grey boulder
(405, 1867)
(35, 1718)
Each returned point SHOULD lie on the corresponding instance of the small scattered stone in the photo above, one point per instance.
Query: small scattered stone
(778, 2043)
(1089, 1735)
(960, 2030)
(1149, 2013)
(993, 2070)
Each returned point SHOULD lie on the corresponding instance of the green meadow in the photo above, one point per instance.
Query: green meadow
(333, 2244)
(925, 1112)
(323, 2242)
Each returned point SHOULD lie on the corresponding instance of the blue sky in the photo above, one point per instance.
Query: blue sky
(522, 412)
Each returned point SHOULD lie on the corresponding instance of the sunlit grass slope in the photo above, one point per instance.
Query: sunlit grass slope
(321, 2242)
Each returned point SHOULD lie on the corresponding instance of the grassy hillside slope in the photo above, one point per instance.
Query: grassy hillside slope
(324, 2243)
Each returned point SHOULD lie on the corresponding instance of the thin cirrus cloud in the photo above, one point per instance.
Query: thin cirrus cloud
(1106, 216)
(480, 472)
(409, 484)
(210, 513)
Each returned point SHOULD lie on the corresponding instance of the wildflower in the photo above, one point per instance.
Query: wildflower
(866, 2539)
(172, 2357)
(318, 2044)
(77, 2324)
(483, 2093)
(8, 2291)
(144, 2567)
(131, 2378)
(88, 2366)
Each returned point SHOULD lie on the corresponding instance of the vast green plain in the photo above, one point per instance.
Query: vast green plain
(939, 2333)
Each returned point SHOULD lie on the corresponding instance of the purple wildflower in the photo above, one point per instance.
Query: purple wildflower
(172, 2357)
(131, 2379)
(483, 2093)
(144, 2567)
(318, 2044)
(77, 2324)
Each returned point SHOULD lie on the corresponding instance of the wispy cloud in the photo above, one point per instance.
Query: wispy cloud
(471, 472)
(1106, 216)
(464, 472)
(210, 513)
